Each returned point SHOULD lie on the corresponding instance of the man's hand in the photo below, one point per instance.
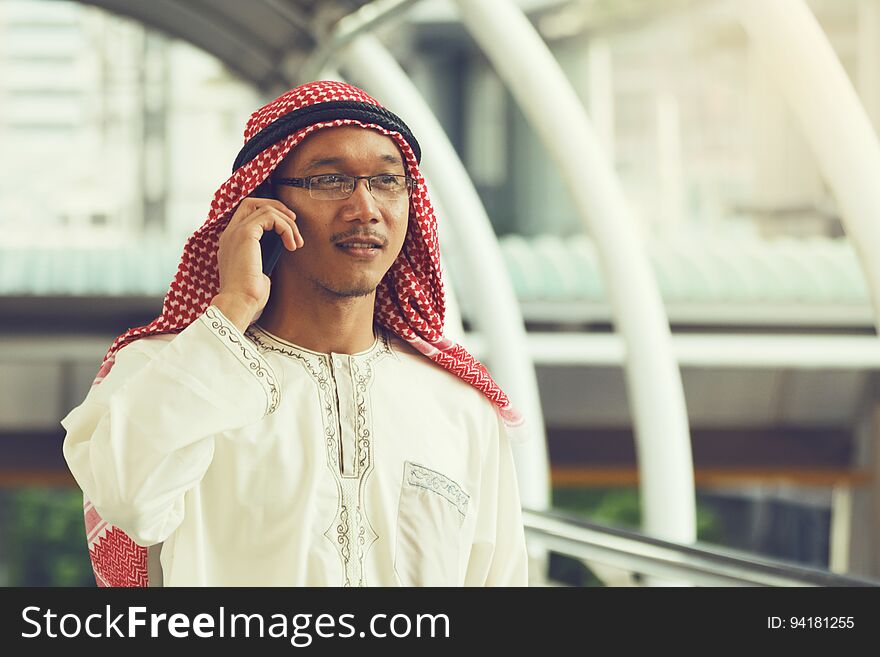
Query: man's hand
(244, 288)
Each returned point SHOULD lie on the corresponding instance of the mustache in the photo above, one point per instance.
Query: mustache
(361, 234)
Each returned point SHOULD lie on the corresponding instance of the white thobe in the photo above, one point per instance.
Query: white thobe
(256, 462)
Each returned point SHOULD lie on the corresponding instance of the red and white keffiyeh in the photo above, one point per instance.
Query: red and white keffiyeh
(409, 299)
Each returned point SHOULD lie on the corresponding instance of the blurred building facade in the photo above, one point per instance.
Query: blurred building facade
(117, 131)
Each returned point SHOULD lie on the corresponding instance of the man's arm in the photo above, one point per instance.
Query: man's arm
(145, 435)
(498, 555)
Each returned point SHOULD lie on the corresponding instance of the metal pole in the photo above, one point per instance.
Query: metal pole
(362, 21)
(496, 309)
(656, 396)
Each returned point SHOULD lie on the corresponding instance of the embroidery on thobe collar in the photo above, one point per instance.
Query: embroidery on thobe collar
(351, 527)
(247, 355)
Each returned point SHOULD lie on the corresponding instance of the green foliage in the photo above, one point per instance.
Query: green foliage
(620, 507)
(44, 538)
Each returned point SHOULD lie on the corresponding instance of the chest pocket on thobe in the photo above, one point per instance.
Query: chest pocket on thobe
(430, 515)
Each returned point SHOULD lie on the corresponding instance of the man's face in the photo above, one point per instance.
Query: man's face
(322, 262)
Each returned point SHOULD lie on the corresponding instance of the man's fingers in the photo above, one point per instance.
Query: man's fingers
(299, 238)
(286, 210)
(244, 209)
(269, 218)
(287, 236)
(252, 204)
(266, 213)
(274, 203)
(290, 217)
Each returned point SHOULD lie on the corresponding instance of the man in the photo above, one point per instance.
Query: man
(315, 428)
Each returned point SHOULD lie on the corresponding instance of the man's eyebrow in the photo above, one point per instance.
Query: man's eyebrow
(390, 159)
(324, 162)
(338, 161)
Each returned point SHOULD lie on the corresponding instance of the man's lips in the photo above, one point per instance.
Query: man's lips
(361, 241)
(358, 245)
(360, 248)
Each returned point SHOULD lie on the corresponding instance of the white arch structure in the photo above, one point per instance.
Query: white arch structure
(790, 42)
(656, 396)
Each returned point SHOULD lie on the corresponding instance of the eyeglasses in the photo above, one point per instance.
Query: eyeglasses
(337, 186)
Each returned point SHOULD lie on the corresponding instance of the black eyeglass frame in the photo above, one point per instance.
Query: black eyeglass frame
(306, 182)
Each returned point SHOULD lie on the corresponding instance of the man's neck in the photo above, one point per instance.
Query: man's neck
(319, 322)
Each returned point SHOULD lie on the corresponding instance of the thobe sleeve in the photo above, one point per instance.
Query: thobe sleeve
(498, 555)
(145, 435)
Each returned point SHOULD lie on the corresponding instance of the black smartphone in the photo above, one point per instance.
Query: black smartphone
(271, 245)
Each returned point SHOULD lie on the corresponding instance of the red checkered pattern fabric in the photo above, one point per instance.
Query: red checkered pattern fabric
(409, 300)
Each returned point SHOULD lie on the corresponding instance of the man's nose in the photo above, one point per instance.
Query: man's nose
(363, 203)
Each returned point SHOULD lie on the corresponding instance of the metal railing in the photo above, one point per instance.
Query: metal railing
(695, 565)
